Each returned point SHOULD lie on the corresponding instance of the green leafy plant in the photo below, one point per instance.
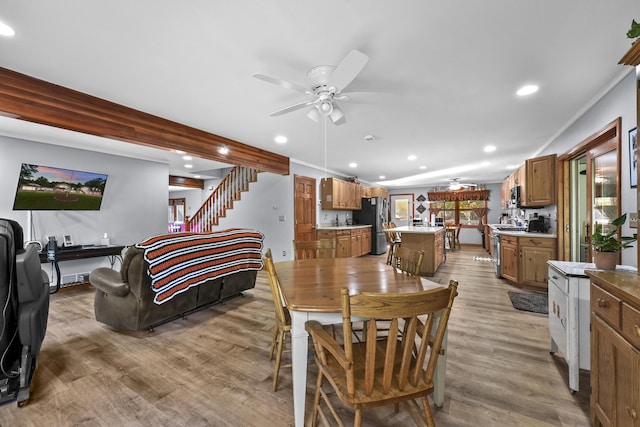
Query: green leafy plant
(634, 32)
(608, 241)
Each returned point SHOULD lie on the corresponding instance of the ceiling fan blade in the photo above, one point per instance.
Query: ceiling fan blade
(348, 70)
(283, 83)
(293, 107)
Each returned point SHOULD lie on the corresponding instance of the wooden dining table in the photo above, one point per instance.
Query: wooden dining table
(311, 291)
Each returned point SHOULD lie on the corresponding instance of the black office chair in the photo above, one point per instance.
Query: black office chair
(24, 304)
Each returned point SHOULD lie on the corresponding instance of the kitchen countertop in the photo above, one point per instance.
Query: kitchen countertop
(518, 233)
(416, 230)
(577, 269)
(341, 227)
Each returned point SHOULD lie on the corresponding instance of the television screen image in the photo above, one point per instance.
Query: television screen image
(49, 188)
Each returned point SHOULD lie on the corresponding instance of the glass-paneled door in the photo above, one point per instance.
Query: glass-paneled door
(604, 188)
(401, 209)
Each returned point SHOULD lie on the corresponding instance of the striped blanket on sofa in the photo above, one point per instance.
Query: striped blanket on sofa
(180, 261)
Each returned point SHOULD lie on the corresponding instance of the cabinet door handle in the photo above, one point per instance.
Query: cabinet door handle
(602, 303)
(555, 277)
(637, 328)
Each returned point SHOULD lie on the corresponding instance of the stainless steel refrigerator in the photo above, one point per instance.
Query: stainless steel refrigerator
(374, 212)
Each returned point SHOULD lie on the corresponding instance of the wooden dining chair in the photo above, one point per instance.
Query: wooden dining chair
(305, 249)
(392, 242)
(283, 319)
(383, 370)
(408, 260)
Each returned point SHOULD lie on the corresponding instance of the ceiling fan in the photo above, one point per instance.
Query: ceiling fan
(455, 184)
(326, 84)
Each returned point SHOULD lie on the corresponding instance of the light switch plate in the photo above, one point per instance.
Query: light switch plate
(633, 219)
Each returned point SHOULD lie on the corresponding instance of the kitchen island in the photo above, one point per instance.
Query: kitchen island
(428, 239)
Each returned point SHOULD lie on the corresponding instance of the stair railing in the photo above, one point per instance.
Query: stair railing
(221, 199)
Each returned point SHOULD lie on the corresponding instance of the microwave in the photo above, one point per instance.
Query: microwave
(514, 201)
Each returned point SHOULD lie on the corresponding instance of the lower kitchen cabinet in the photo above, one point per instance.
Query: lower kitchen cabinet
(615, 349)
(534, 254)
(523, 259)
(350, 242)
(509, 257)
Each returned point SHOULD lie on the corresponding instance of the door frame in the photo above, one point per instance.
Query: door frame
(608, 135)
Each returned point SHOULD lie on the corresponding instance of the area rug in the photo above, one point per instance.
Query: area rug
(530, 301)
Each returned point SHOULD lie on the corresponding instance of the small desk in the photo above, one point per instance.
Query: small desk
(311, 291)
(111, 251)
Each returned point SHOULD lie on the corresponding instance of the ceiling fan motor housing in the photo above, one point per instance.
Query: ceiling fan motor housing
(319, 76)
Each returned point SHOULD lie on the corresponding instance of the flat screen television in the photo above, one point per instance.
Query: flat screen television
(49, 188)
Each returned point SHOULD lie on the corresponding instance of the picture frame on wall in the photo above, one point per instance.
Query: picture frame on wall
(633, 157)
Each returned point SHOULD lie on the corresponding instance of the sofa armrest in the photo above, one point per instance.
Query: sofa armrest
(109, 281)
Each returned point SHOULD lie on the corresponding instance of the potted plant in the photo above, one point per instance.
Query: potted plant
(606, 245)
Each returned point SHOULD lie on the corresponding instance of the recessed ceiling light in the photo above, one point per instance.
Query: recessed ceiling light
(180, 152)
(6, 30)
(527, 90)
(196, 176)
(423, 167)
(489, 148)
(382, 177)
(223, 150)
(281, 139)
(353, 165)
(412, 157)
(187, 158)
(188, 166)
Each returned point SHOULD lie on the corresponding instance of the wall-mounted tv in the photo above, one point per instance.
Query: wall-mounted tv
(49, 188)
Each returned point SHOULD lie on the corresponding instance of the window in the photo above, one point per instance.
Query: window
(467, 208)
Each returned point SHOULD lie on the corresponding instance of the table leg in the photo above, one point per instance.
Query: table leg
(299, 349)
(439, 375)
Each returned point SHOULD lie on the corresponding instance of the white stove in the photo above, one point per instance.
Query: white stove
(569, 318)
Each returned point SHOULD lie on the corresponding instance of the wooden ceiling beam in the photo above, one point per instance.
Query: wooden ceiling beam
(30, 99)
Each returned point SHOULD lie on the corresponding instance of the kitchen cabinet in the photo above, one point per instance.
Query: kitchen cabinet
(569, 316)
(534, 254)
(360, 241)
(536, 178)
(615, 349)
(375, 192)
(509, 257)
(538, 186)
(337, 194)
(350, 242)
(523, 259)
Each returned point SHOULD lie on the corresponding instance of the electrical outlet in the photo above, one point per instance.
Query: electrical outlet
(284, 253)
(633, 219)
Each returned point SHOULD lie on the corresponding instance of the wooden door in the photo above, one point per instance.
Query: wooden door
(509, 260)
(304, 209)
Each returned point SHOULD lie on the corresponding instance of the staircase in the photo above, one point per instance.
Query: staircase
(222, 198)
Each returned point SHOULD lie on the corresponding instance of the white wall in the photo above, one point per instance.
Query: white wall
(134, 205)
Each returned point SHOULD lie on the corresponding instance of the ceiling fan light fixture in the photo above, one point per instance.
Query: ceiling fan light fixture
(336, 115)
(314, 113)
(326, 107)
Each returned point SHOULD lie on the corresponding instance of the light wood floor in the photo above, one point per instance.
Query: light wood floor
(212, 368)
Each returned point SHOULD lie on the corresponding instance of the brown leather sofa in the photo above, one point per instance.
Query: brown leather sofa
(124, 299)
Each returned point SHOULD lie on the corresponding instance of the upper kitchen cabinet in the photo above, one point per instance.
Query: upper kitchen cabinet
(538, 186)
(337, 194)
(536, 178)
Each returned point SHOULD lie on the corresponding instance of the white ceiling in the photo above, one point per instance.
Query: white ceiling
(449, 70)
